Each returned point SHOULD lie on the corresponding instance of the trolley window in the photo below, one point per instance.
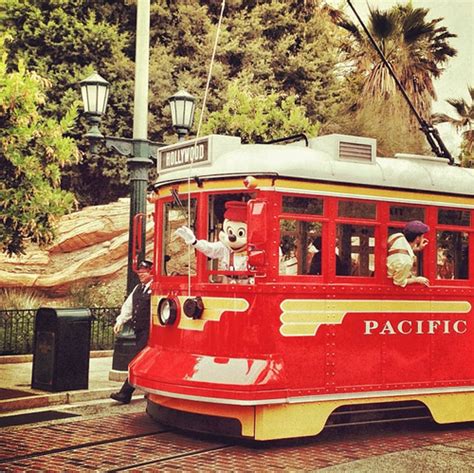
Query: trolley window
(355, 250)
(302, 205)
(460, 218)
(355, 209)
(176, 256)
(301, 247)
(404, 213)
(452, 255)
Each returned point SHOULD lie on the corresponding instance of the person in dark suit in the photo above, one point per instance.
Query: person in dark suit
(315, 265)
(137, 309)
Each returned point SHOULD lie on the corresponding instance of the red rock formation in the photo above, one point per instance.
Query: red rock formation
(91, 246)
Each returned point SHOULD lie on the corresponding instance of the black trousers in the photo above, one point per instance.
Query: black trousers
(140, 344)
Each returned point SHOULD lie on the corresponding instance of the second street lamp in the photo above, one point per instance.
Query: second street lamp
(182, 106)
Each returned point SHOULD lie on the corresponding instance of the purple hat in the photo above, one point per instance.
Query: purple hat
(417, 227)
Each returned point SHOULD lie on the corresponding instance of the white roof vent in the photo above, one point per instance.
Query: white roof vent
(347, 147)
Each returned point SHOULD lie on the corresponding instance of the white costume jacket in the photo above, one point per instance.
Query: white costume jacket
(228, 260)
(400, 259)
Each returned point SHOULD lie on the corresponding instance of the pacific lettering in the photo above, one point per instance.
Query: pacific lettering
(417, 327)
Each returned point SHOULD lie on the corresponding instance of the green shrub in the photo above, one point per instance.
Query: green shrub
(20, 299)
(110, 294)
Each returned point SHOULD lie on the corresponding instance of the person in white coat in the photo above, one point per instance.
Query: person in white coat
(231, 249)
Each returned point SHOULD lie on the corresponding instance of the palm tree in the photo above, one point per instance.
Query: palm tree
(415, 47)
(463, 122)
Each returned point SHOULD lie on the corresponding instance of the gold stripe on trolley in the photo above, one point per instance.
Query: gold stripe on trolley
(303, 317)
(321, 188)
(397, 195)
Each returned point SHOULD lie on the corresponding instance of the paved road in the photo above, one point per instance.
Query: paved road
(124, 438)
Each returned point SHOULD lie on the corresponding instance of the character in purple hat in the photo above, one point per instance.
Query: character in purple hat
(401, 253)
(231, 249)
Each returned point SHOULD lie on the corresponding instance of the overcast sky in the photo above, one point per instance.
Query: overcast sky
(459, 19)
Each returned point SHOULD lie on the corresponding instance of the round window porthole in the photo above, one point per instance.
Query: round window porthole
(167, 311)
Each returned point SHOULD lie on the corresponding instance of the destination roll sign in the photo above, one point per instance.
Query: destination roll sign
(178, 156)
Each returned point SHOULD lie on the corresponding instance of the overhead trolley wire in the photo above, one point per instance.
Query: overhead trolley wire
(203, 107)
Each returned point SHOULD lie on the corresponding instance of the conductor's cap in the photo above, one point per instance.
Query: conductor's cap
(145, 264)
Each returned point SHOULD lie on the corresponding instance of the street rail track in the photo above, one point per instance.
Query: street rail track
(134, 442)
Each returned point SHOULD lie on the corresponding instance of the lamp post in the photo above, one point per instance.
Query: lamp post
(95, 93)
(139, 150)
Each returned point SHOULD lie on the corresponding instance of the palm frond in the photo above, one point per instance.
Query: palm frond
(382, 24)
(460, 105)
(471, 92)
(437, 118)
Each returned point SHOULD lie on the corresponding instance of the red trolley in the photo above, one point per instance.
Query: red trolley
(275, 351)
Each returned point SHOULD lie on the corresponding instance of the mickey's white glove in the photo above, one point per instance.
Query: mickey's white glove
(186, 234)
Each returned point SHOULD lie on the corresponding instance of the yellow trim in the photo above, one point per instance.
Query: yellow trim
(320, 188)
(460, 409)
(212, 185)
(278, 421)
(303, 317)
(374, 192)
(214, 307)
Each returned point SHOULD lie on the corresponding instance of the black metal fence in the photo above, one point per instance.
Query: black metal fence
(17, 328)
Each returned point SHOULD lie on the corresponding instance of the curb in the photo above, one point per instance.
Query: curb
(115, 375)
(55, 399)
(29, 357)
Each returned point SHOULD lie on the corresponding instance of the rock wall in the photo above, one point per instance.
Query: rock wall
(91, 246)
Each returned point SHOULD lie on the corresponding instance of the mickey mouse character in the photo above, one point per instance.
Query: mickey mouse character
(231, 249)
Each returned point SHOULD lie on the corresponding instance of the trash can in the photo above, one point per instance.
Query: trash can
(61, 349)
(125, 349)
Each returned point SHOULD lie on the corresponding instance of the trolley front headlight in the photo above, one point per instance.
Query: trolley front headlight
(167, 311)
(193, 307)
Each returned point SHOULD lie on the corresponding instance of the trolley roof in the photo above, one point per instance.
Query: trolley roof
(331, 158)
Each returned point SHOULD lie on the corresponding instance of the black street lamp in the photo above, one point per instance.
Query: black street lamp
(182, 106)
(95, 94)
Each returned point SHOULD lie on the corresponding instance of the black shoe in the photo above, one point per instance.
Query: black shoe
(121, 397)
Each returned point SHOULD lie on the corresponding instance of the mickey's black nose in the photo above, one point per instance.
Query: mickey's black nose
(232, 238)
